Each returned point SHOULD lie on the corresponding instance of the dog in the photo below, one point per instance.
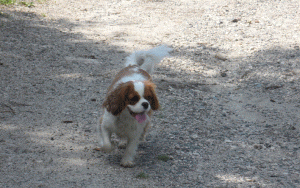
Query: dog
(130, 102)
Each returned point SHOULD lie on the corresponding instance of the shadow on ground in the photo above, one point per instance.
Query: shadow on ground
(222, 123)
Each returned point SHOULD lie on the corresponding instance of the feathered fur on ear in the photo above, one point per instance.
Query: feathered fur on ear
(150, 95)
(116, 101)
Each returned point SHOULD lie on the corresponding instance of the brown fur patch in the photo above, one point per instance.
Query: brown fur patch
(118, 99)
(127, 71)
(150, 95)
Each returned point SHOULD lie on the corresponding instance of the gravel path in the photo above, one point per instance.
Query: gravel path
(230, 93)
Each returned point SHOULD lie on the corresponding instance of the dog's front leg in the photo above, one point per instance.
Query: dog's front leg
(106, 139)
(105, 135)
(128, 159)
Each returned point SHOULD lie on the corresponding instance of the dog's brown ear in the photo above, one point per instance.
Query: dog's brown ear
(116, 101)
(150, 95)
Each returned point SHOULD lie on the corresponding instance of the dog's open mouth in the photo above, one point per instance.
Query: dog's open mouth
(140, 117)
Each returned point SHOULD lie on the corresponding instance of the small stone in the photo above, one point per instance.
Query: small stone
(97, 149)
(194, 136)
(51, 138)
(236, 20)
(249, 179)
(67, 121)
(220, 57)
(258, 85)
(223, 74)
(257, 146)
(272, 87)
(268, 145)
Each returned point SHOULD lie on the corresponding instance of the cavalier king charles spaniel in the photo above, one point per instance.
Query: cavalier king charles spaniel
(130, 101)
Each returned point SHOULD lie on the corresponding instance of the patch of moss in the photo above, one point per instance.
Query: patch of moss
(164, 158)
(142, 175)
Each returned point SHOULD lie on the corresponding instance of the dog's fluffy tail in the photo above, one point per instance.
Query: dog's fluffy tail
(146, 60)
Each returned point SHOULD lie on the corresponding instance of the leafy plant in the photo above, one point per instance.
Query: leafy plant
(7, 2)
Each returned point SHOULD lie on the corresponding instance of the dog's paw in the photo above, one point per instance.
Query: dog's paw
(127, 164)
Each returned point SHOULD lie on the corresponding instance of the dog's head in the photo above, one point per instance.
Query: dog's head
(138, 96)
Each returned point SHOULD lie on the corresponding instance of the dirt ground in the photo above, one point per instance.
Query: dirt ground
(230, 93)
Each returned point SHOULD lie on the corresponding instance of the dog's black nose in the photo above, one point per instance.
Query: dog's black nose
(145, 105)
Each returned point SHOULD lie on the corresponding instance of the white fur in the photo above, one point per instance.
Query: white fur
(148, 59)
(138, 108)
(139, 87)
(133, 77)
(119, 125)
(125, 125)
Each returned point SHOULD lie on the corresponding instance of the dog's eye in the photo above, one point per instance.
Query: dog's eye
(135, 99)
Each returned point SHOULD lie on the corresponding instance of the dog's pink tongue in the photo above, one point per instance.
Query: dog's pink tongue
(141, 118)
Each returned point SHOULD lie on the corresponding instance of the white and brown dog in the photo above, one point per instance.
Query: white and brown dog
(130, 101)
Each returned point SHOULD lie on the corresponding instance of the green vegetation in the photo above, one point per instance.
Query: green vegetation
(24, 3)
(164, 158)
(7, 2)
(142, 175)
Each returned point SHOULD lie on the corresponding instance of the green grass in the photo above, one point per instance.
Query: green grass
(7, 2)
(26, 4)
(142, 175)
(164, 158)
(23, 3)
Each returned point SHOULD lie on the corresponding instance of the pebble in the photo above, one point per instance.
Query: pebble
(268, 145)
(194, 136)
(258, 146)
(223, 74)
(258, 85)
(220, 57)
(236, 20)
